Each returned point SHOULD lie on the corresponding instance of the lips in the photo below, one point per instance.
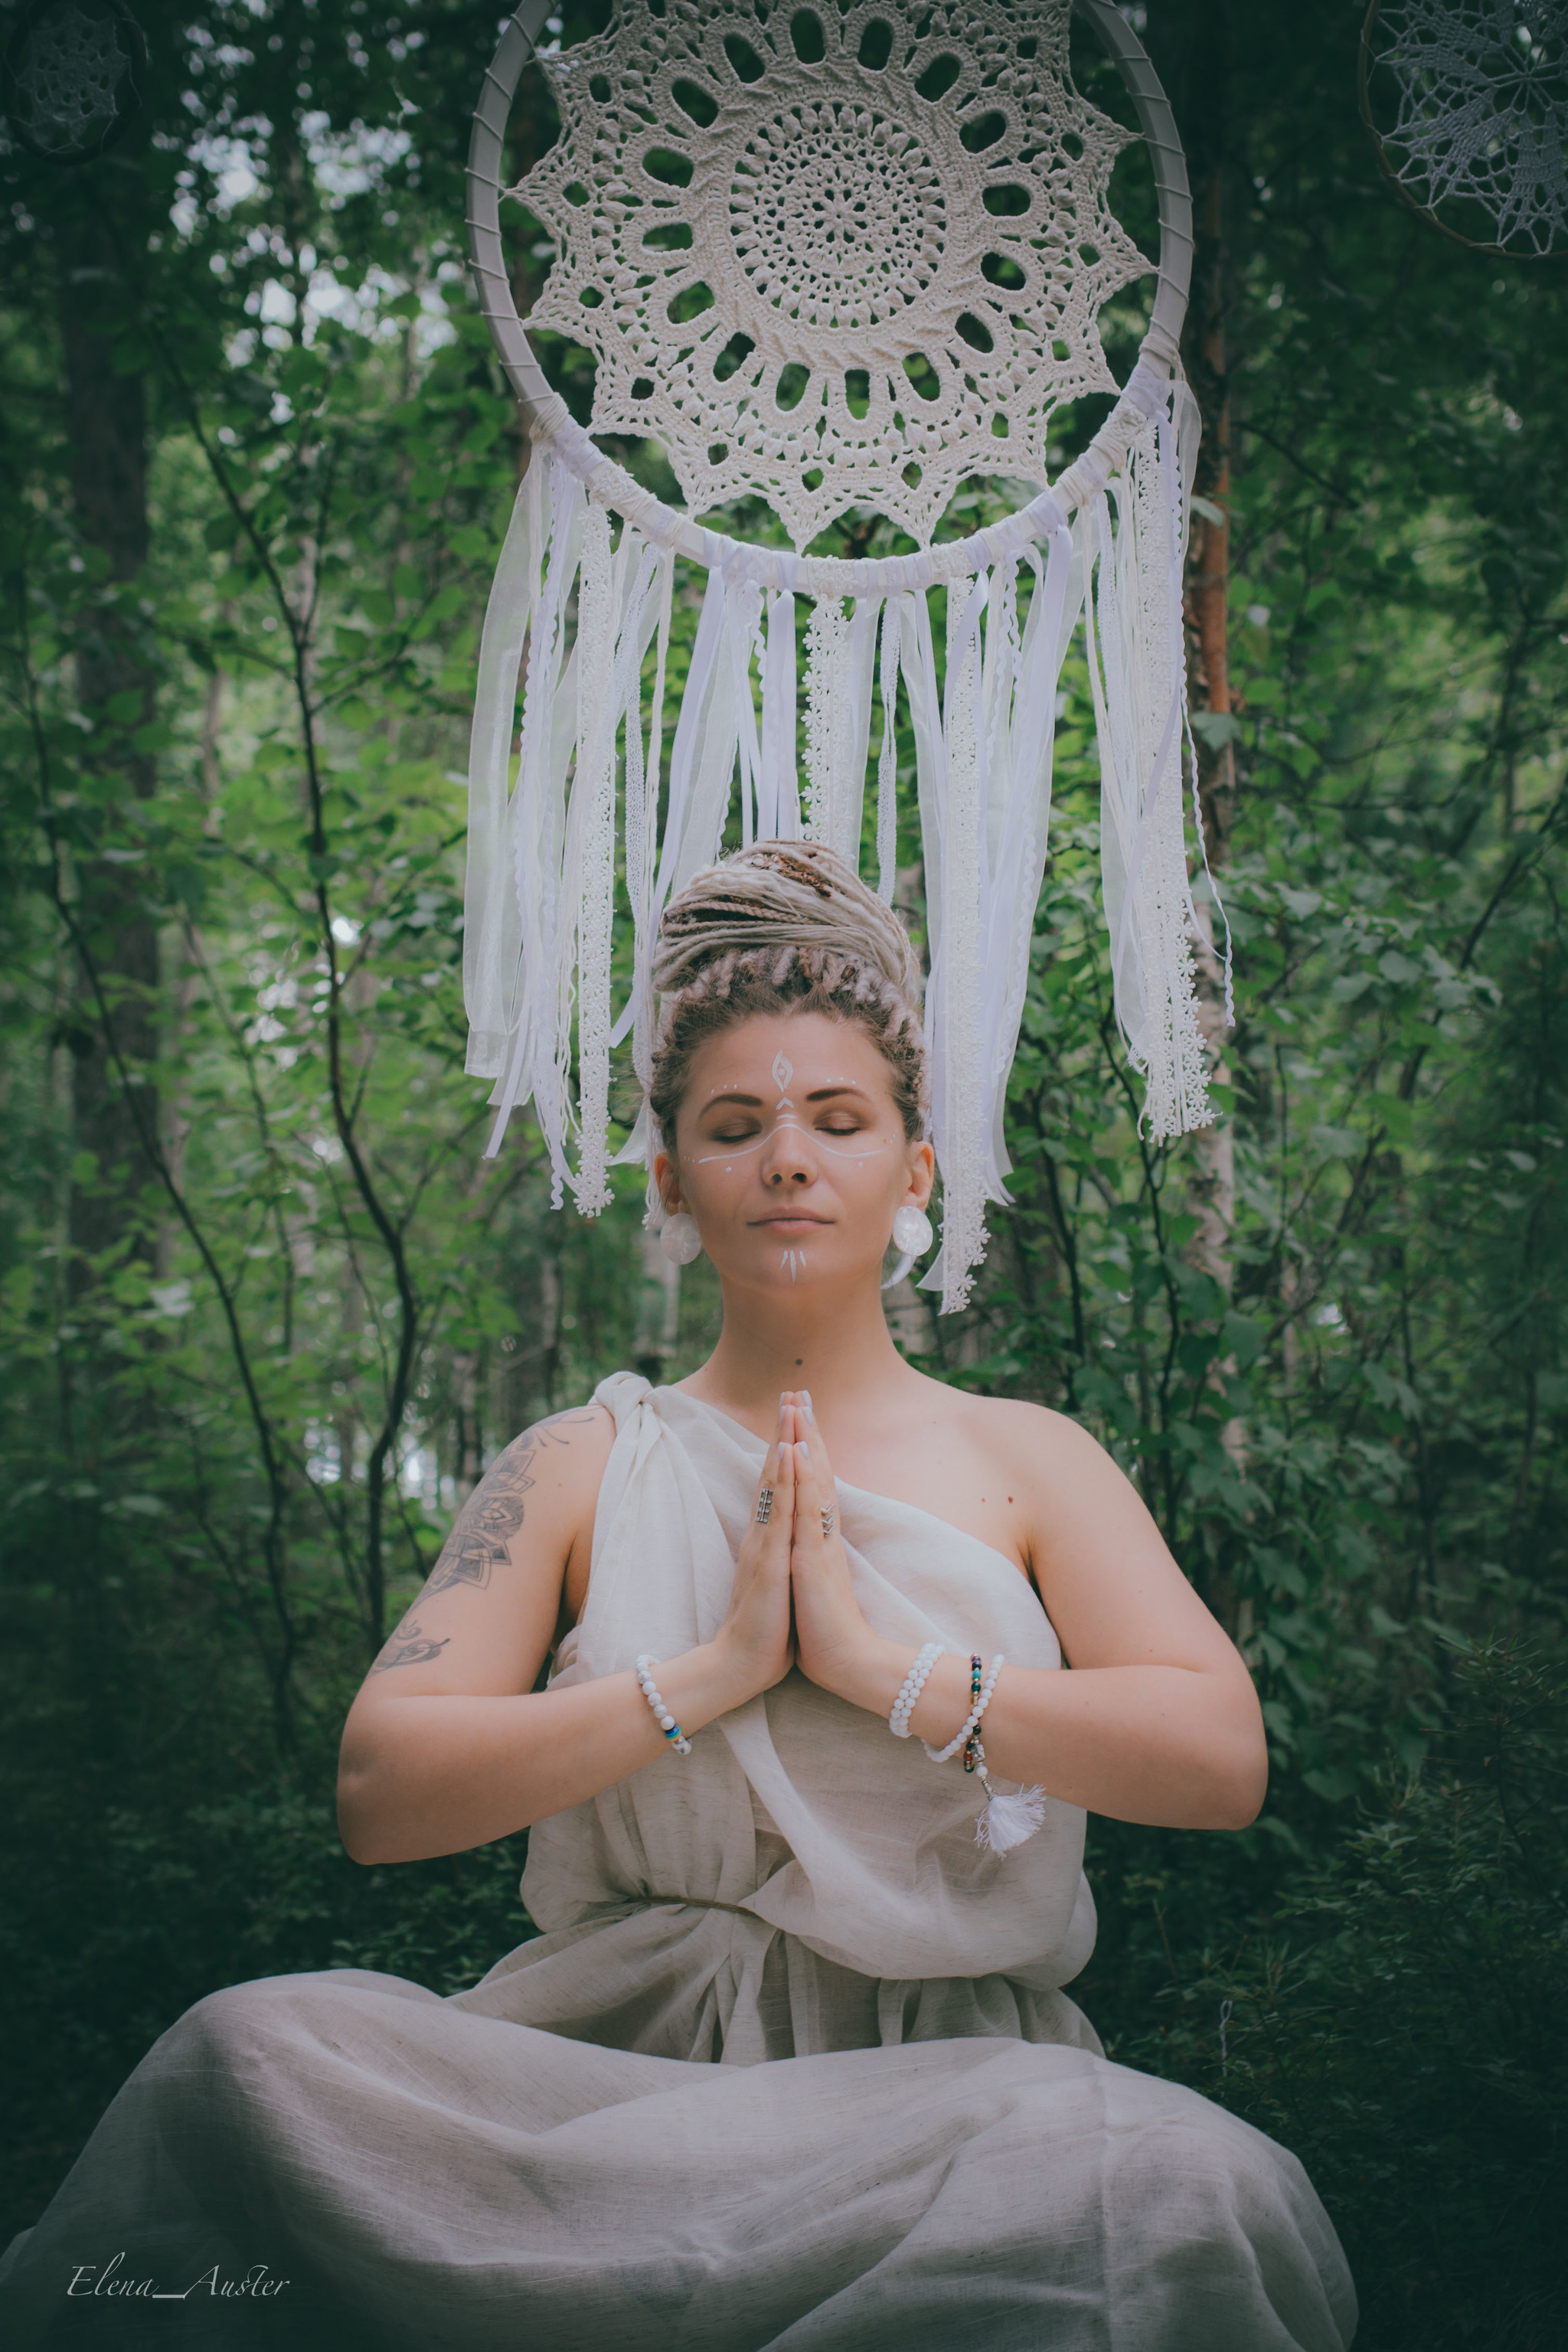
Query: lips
(795, 1222)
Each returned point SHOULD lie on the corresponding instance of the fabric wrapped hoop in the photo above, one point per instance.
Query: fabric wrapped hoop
(549, 420)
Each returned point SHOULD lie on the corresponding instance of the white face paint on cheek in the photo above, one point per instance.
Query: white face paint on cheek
(736, 1151)
(785, 1116)
(843, 1151)
(840, 1149)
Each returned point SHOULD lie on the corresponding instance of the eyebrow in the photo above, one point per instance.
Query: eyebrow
(754, 1102)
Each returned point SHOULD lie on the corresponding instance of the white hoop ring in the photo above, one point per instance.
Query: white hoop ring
(549, 421)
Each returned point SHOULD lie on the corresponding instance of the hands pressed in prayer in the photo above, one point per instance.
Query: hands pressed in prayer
(795, 1548)
(831, 1633)
(834, 1645)
(758, 1633)
(794, 1601)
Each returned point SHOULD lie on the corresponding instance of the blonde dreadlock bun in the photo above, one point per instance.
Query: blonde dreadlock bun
(779, 894)
(785, 927)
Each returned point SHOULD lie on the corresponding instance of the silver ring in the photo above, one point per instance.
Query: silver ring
(829, 1521)
(764, 1506)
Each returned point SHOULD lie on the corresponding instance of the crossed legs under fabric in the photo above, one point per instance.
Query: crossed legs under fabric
(423, 2175)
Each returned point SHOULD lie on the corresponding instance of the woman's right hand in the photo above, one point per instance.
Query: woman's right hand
(757, 1637)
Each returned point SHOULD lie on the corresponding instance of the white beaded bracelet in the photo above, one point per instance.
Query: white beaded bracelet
(972, 1721)
(666, 1722)
(913, 1684)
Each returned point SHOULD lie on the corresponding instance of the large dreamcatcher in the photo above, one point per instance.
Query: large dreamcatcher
(836, 259)
(70, 75)
(1478, 138)
(808, 228)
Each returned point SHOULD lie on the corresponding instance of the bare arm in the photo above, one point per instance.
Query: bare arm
(1157, 1722)
(447, 1745)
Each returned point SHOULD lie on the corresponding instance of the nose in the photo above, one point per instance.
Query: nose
(787, 1158)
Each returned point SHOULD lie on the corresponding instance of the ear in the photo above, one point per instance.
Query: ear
(666, 1179)
(922, 1175)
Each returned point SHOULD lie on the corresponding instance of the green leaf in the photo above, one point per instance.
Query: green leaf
(1216, 728)
(1243, 1338)
(1333, 1785)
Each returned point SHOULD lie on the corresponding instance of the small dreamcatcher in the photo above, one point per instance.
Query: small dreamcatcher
(71, 77)
(832, 257)
(1479, 141)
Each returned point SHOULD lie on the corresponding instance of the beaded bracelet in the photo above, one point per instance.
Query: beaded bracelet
(913, 1684)
(666, 1722)
(980, 1694)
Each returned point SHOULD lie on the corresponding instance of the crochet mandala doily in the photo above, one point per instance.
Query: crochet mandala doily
(836, 258)
(66, 71)
(1483, 110)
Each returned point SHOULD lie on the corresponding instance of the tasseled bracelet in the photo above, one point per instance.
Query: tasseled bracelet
(1005, 1821)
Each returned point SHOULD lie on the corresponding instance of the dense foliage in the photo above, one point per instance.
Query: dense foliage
(266, 1313)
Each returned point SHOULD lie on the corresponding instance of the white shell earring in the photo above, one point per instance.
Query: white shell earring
(912, 1234)
(681, 1240)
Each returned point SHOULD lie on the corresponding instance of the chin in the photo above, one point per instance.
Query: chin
(796, 1263)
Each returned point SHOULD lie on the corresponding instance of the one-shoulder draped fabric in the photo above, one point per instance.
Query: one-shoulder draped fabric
(790, 2069)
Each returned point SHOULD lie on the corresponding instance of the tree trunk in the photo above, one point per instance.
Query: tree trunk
(1212, 1181)
(658, 1311)
(106, 420)
(1208, 591)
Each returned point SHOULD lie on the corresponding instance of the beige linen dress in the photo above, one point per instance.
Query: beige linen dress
(790, 2066)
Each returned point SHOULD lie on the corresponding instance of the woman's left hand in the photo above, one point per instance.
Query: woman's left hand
(832, 1639)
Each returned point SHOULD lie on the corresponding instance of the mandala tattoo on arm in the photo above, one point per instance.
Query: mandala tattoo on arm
(409, 1647)
(478, 1543)
(494, 1511)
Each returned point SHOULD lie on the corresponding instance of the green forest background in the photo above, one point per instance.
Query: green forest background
(265, 1313)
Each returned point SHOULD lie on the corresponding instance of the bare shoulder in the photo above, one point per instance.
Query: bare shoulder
(1044, 1489)
(1063, 1477)
(550, 1475)
(489, 1607)
(1030, 1441)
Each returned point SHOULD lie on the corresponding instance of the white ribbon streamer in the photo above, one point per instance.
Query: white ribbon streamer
(574, 614)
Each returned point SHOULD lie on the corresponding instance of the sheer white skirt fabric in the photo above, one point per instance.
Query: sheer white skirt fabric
(788, 2072)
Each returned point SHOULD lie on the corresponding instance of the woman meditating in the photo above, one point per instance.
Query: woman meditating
(791, 2064)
